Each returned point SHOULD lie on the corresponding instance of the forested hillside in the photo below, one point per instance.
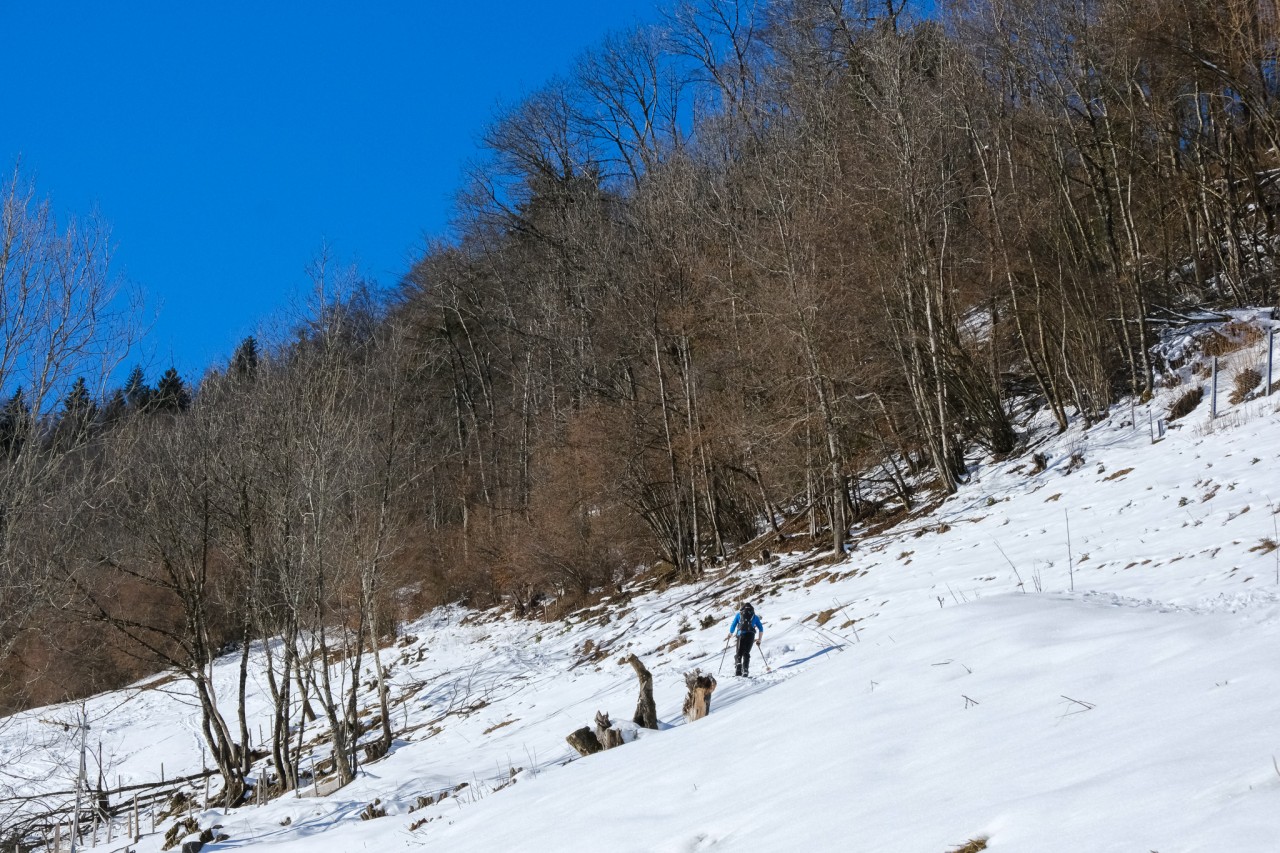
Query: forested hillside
(771, 263)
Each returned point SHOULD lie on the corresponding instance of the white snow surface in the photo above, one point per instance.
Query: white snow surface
(1131, 703)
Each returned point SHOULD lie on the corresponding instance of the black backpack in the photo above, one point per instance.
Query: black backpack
(747, 614)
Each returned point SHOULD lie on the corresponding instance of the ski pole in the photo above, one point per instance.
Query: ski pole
(722, 656)
(767, 668)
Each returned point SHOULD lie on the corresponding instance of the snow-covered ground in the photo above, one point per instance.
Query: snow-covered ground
(966, 682)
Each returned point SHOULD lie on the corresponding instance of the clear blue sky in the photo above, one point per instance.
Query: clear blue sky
(224, 142)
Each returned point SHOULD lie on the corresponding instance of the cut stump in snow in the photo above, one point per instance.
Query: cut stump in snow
(697, 703)
(585, 741)
(646, 710)
(608, 736)
(374, 750)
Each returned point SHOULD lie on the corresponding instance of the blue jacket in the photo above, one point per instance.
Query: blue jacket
(756, 625)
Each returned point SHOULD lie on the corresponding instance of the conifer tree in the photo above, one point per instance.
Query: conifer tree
(171, 393)
(137, 392)
(78, 414)
(15, 424)
(244, 363)
(115, 408)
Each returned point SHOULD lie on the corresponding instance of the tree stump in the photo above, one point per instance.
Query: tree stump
(585, 741)
(646, 711)
(608, 736)
(697, 703)
(373, 750)
(181, 829)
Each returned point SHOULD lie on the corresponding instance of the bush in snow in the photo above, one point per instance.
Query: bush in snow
(1186, 404)
(1245, 381)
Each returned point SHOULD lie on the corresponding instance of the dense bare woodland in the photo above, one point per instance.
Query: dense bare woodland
(774, 263)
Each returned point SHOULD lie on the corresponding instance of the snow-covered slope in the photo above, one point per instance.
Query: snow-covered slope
(955, 679)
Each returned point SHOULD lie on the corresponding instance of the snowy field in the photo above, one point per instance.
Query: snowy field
(957, 678)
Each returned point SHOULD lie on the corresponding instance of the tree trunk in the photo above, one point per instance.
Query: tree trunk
(246, 762)
(585, 741)
(697, 703)
(646, 711)
(606, 734)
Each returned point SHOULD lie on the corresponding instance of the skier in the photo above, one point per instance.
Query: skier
(748, 628)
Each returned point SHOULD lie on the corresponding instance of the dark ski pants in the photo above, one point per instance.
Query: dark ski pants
(742, 655)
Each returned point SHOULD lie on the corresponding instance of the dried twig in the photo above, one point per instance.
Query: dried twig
(1021, 585)
(1084, 706)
